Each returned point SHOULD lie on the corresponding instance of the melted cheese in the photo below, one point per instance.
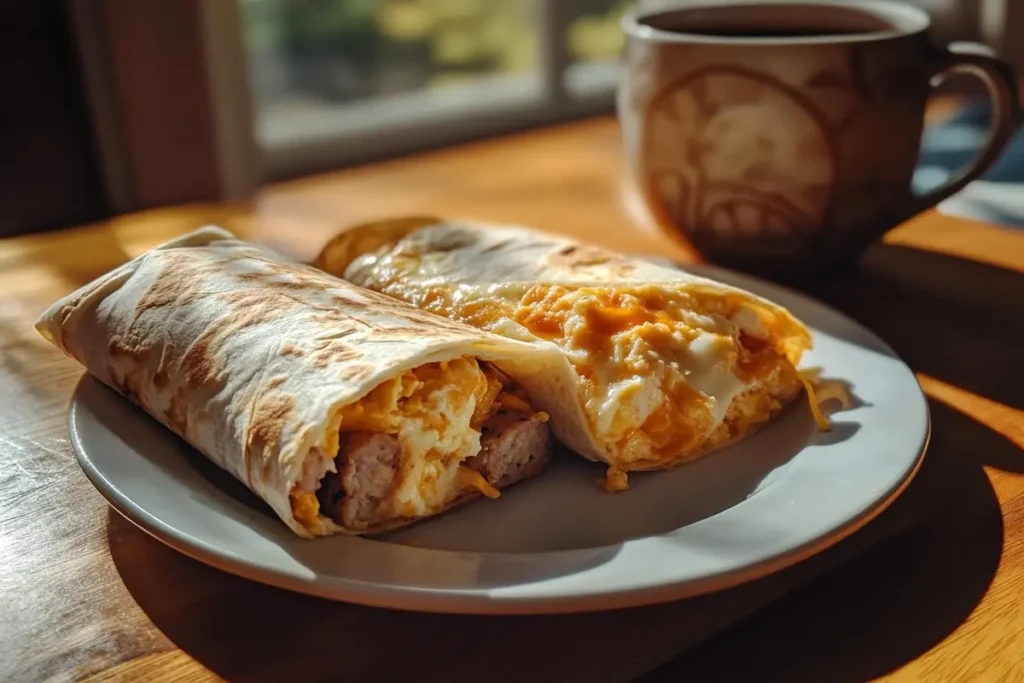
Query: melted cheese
(659, 369)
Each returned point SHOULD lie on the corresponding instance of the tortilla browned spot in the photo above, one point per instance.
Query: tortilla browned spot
(333, 351)
(161, 377)
(266, 425)
(357, 373)
(253, 306)
(171, 287)
(577, 257)
(292, 350)
(345, 301)
(176, 416)
(296, 282)
(127, 388)
(199, 365)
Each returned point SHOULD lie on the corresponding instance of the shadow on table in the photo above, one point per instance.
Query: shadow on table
(245, 631)
(958, 321)
(954, 319)
(250, 632)
(887, 606)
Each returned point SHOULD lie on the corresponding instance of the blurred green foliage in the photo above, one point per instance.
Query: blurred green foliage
(404, 44)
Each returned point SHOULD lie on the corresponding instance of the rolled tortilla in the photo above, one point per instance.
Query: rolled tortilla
(345, 410)
(655, 366)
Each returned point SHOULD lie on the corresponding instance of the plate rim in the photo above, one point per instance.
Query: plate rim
(442, 601)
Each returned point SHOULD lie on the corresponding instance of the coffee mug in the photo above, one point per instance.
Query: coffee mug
(781, 138)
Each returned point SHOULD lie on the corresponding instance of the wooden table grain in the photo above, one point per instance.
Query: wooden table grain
(84, 595)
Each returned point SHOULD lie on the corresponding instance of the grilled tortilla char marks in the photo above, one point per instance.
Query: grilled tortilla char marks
(418, 322)
(161, 378)
(333, 351)
(200, 367)
(165, 290)
(292, 350)
(357, 373)
(239, 385)
(169, 288)
(266, 424)
(297, 281)
(576, 257)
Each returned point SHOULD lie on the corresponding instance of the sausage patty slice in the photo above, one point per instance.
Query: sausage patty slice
(367, 463)
(513, 447)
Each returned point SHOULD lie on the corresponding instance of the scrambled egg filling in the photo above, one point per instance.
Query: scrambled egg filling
(435, 411)
(660, 369)
(666, 374)
(430, 410)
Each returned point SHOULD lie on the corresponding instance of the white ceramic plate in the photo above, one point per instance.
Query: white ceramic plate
(557, 543)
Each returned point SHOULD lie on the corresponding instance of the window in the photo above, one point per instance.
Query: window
(198, 100)
(339, 81)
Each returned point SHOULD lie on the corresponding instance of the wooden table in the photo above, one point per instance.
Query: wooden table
(84, 594)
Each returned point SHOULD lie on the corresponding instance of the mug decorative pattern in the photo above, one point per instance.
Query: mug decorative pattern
(733, 153)
(779, 156)
(774, 149)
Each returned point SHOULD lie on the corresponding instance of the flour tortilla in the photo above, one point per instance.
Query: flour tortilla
(247, 355)
(477, 258)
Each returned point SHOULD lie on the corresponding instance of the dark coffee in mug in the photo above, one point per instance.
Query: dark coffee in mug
(756, 32)
(781, 138)
(771, 20)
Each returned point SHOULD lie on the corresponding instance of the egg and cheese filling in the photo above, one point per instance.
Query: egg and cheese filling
(664, 374)
(435, 412)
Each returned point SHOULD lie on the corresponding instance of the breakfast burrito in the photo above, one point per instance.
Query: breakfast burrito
(345, 410)
(654, 366)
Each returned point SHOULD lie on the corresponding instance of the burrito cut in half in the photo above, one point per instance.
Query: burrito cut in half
(655, 366)
(345, 410)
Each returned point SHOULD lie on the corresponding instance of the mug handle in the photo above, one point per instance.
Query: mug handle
(1001, 82)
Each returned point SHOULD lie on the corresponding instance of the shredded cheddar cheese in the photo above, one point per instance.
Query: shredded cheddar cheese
(475, 480)
(305, 508)
(818, 392)
(615, 480)
(823, 422)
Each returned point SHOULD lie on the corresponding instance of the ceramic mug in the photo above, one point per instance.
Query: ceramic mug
(781, 138)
